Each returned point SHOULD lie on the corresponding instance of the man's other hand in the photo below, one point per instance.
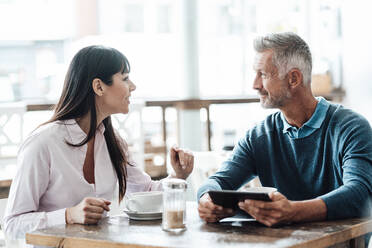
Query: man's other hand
(280, 210)
(211, 212)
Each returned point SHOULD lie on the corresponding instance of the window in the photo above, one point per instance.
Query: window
(226, 33)
(164, 18)
(133, 18)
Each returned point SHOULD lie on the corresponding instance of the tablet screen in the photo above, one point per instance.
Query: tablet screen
(231, 198)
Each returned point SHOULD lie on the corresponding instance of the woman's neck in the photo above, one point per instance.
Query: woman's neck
(84, 122)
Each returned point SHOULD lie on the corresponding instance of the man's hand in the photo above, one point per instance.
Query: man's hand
(88, 211)
(279, 210)
(182, 162)
(211, 212)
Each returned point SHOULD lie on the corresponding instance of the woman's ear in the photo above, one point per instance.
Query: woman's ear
(98, 87)
(294, 77)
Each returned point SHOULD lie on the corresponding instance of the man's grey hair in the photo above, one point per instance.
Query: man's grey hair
(289, 52)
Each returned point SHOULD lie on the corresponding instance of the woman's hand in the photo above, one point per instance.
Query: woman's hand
(88, 211)
(182, 162)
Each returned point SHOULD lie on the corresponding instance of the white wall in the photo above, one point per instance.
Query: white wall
(357, 60)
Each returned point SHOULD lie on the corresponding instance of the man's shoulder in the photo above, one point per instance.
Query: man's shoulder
(345, 123)
(267, 126)
(342, 116)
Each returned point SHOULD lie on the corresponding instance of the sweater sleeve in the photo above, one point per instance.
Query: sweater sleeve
(353, 198)
(234, 172)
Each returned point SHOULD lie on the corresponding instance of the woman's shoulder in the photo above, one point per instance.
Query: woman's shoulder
(49, 130)
(45, 135)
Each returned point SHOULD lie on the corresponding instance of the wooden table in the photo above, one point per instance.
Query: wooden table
(119, 231)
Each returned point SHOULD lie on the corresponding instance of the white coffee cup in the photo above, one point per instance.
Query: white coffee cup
(150, 201)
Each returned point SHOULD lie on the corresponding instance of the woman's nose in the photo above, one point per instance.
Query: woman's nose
(132, 86)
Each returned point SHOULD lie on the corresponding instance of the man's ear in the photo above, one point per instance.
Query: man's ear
(98, 86)
(295, 78)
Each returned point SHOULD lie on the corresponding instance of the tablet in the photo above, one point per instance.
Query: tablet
(230, 198)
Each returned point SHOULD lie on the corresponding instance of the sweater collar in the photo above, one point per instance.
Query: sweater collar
(315, 120)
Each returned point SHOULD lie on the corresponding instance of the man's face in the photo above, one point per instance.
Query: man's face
(273, 91)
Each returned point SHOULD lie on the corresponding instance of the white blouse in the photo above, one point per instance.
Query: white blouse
(50, 177)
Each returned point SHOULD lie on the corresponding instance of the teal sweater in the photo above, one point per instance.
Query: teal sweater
(333, 162)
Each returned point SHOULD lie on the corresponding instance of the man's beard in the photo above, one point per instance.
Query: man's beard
(276, 101)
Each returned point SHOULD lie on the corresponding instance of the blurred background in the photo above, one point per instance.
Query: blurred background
(191, 61)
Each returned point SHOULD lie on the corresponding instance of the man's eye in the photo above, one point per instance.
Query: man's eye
(261, 75)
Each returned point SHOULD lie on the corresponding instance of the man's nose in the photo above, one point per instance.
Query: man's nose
(257, 83)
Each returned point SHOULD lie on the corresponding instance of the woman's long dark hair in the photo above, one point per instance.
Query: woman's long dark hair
(78, 99)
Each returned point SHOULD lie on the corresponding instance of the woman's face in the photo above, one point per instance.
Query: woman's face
(116, 96)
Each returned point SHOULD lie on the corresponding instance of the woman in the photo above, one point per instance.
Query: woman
(69, 167)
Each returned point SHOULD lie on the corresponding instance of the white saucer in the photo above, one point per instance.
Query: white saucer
(143, 215)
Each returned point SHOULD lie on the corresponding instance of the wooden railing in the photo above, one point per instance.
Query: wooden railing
(179, 104)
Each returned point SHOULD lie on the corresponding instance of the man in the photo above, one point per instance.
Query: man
(317, 154)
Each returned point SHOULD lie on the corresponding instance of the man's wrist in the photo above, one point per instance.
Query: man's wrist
(296, 217)
(309, 210)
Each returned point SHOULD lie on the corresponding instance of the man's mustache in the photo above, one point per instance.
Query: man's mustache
(263, 93)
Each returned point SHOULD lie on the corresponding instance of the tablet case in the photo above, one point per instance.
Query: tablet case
(230, 198)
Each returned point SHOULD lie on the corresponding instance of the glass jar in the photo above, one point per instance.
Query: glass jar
(174, 205)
